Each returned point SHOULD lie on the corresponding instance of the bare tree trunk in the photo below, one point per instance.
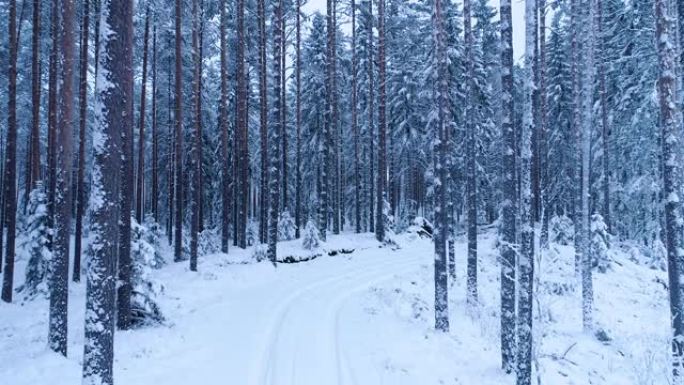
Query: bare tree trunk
(471, 177)
(200, 134)
(35, 95)
(298, 121)
(510, 194)
(10, 183)
(140, 193)
(242, 194)
(371, 116)
(154, 198)
(587, 122)
(276, 121)
(283, 109)
(355, 126)
(670, 131)
(604, 119)
(223, 124)
(178, 183)
(382, 126)
(59, 269)
(116, 99)
(543, 140)
(527, 220)
(171, 154)
(196, 161)
(440, 232)
(263, 120)
(576, 128)
(83, 111)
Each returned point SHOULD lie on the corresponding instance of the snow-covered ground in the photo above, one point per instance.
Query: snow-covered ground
(363, 318)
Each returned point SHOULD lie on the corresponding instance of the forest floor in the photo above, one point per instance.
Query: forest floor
(363, 318)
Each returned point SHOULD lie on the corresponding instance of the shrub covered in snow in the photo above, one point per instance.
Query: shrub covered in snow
(562, 230)
(251, 233)
(152, 236)
(286, 227)
(209, 242)
(311, 238)
(599, 243)
(35, 243)
(260, 253)
(144, 308)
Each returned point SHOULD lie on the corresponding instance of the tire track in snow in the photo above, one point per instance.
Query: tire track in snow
(318, 339)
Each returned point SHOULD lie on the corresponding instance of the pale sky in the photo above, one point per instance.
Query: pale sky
(518, 21)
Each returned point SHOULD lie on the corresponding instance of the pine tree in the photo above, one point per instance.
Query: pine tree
(471, 179)
(671, 181)
(441, 99)
(382, 125)
(83, 111)
(263, 124)
(178, 138)
(526, 254)
(276, 131)
(223, 124)
(59, 269)
(116, 100)
(9, 180)
(510, 193)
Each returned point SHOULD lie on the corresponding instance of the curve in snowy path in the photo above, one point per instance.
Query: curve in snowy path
(302, 345)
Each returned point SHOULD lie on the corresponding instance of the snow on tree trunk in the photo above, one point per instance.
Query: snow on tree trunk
(510, 194)
(672, 185)
(140, 180)
(471, 178)
(178, 138)
(298, 122)
(83, 110)
(9, 180)
(586, 133)
(263, 124)
(439, 143)
(355, 126)
(114, 104)
(274, 177)
(526, 253)
(37, 244)
(382, 126)
(223, 124)
(59, 269)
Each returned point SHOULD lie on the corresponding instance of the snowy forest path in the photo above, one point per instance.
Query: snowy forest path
(302, 345)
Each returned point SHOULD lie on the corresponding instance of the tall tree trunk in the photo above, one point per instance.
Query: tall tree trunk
(126, 196)
(371, 116)
(276, 122)
(440, 232)
(672, 185)
(471, 177)
(223, 124)
(283, 108)
(242, 194)
(543, 136)
(178, 153)
(604, 119)
(527, 220)
(171, 153)
(52, 116)
(510, 193)
(200, 143)
(154, 200)
(196, 160)
(587, 122)
(83, 111)
(116, 98)
(140, 182)
(59, 269)
(10, 183)
(263, 127)
(575, 126)
(298, 122)
(382, 126)
(355, 126)
(35, 95)
(334, 124)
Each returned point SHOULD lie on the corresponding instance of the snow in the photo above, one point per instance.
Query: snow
(359, 318)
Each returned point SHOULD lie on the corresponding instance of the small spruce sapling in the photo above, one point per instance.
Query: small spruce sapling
(311, 239)
(152, 236)
(36, 244)
(144, 308)
(209, 241)
(561, 230)
(286, 227)
(600, 243)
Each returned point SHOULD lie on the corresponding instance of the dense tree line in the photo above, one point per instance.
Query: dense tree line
(418, 113)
